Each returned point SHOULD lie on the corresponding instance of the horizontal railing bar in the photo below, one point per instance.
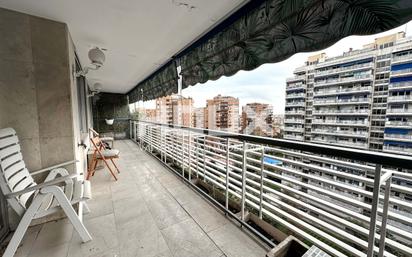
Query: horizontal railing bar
(388, 159)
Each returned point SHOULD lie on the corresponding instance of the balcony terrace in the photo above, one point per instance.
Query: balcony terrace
(364, 66)
(350, 123)
(343, 112)
(340, 91)
(401, 73)
(400, 99)
(336, 101)
(148, 212)
(398, 124)
(329, 82)
(400, 85)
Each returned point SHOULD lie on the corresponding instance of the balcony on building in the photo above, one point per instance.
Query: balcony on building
(343, 90)
(341, 101)
(342, 80)
(341, 112)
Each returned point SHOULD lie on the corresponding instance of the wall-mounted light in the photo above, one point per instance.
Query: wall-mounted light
(97, 59)
(95, 89)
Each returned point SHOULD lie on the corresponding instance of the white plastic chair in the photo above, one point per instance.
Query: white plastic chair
(59, 191)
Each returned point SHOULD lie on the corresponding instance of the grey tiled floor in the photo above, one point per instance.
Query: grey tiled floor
(149, 212)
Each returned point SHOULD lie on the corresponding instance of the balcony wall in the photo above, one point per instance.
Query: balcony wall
(111, 106)
(35, 87)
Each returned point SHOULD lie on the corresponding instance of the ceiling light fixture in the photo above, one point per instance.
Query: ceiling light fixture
(95, 89)
(97, 59)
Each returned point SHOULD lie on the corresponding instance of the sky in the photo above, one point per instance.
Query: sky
(266, 84)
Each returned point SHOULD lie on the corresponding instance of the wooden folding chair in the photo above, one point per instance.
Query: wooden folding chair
(94, 133)
(100, 153)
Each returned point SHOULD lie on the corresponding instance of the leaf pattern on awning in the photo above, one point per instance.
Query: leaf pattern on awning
(280, 28)
(160, 84)
(274, 31)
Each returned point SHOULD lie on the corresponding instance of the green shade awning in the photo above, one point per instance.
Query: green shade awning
(274, 31)
(160, 84)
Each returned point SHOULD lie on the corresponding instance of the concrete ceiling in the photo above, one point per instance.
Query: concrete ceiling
(139, 35)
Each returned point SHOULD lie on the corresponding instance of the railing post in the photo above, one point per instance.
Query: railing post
(384, 216)
(151, 139)
(183, 153)
(262, 168)
(189, 146)
(197, 156)
(204, 158)
(243, 181)
(135, 130)
(227, 174)
(374, 211)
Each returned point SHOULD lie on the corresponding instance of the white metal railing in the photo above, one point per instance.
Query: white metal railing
(341, 132)
(341, 90)
(343, 111)
(398, 72)
(340, 142)
(300, 121)
(294, 86)
(398, 136)
(340, 122)
(398, 110)
(347, 57)
(399, 98)
(338, 101)
(294, 129)
(294, 137)
(271, 179)
(398, 149)
(296, 78)
(405, 84)
(343, 69)
(292, 112)
(398, 123)
(291, 96)
(296, 103)
(402, 57)
(342, 80)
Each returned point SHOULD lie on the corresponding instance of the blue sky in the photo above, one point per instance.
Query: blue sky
(266, 84)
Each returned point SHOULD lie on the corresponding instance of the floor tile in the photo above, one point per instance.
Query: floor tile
(186, 239)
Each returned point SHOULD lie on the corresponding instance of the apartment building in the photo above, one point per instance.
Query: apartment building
(223, 113)
(257, 119)
(199, 117)
(359, 99)
(175, 109)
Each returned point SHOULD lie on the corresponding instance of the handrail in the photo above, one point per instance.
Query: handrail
(317, 202)
(386, 159)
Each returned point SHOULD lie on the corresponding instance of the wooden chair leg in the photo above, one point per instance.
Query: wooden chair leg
(95, 166)
(114, 164)
(110, 169)
(92, 166)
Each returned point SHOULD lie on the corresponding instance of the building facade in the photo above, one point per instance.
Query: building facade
(223, 113)
(175, 109)
(257, 119)
(360, 99)
(199, 117)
